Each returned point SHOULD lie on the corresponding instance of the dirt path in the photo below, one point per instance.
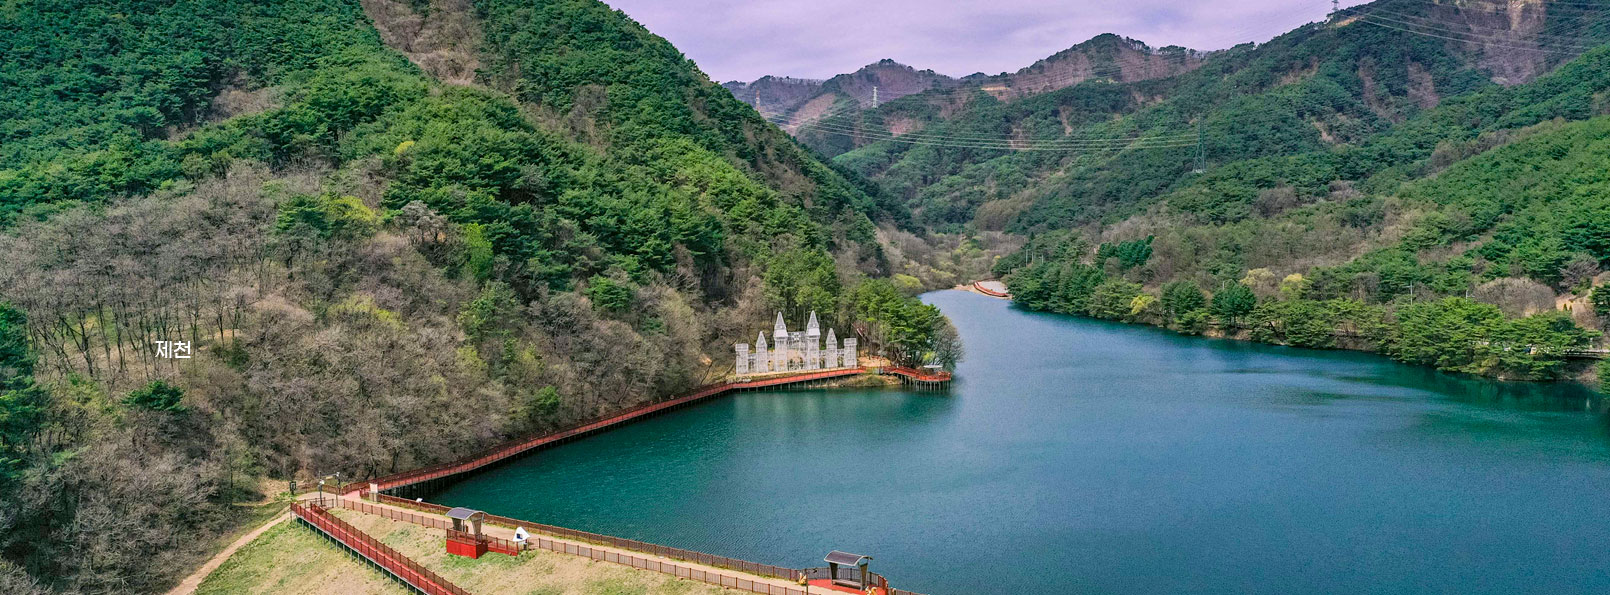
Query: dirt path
(190, 583)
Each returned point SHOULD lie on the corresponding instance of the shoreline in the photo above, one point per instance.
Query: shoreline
(974, 287)
(1578, 371)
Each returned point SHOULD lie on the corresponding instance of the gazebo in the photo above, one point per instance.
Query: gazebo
(836, 558)
(464, 539)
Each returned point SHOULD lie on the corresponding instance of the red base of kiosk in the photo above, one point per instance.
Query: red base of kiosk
(468, 548)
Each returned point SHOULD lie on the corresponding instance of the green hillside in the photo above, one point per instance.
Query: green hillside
(1344, 174)
(376, 269)
(1318, 90)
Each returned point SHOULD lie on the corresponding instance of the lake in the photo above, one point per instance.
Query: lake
(1078, 456)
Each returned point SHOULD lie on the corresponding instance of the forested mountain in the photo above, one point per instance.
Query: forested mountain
(820, 112)
(1402, 153)
(393, 233)
(1318, 89)
(1361, 177)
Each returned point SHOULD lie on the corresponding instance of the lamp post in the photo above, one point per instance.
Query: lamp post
(321, 492)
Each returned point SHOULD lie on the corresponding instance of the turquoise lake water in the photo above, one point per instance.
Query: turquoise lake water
(1076, 456)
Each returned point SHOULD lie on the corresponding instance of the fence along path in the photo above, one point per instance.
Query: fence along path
(690, 571)
(689, 565)
(408, 571)
(916, 374)
(392, 503)
(505, 451)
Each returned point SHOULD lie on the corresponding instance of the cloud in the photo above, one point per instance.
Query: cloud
(747, 39)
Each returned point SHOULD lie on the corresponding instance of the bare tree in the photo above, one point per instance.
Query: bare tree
(1516, 296)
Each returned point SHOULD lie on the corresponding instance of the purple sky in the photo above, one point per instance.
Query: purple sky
(747, 39)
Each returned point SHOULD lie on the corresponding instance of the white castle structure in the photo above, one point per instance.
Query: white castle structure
(795, 351)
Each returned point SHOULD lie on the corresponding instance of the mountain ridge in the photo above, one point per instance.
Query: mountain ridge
(801, 101)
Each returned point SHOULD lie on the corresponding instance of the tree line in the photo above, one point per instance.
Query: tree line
(1059, 272)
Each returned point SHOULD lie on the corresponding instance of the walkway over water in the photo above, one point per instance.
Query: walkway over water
(992, 289)
(393, 482)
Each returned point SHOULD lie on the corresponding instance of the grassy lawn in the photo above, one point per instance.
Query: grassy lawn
(293, 559)
(290, 558)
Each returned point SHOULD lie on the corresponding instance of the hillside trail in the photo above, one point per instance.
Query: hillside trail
(190, 583)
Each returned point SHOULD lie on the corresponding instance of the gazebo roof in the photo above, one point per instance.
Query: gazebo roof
(845, 558)
(462, 513)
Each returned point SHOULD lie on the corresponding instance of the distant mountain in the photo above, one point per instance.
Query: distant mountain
(807, 99)
(797, 101)
(775, 92)
(1106, 56)
(1319, 88)
(1401, 168)
(800, 104)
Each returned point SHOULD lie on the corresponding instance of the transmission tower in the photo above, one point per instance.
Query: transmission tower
(874, 97)
(1201, 158)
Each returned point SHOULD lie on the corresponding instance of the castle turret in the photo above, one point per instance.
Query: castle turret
(762, 359)
(780, 345)
(813, 343)
(830, 353)
(741, 367)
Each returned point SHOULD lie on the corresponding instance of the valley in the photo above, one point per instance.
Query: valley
(252, 249)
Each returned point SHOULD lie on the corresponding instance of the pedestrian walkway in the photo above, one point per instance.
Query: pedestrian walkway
(681, 568)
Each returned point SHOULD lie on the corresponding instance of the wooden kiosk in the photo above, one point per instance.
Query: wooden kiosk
(464, 539)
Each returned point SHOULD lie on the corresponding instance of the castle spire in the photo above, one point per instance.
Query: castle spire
(812, 328)
(779, 330)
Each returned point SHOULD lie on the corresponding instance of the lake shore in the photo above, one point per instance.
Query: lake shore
(1076, 454)
(1579, 371)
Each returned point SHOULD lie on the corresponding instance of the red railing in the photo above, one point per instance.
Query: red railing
(493, 544)
(978, 285)
(662, 551)
(678, 570)
(918, 375)
(517, 447)
(507, 450)
(496, 544)
(380, 554)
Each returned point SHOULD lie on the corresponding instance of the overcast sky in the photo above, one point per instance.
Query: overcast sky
(746, 39)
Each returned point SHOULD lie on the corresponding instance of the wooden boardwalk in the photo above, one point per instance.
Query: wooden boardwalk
(730, 573)
(500, 453)
(992, 289)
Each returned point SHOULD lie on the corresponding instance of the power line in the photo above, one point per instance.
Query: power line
(1479, 31)
(1412, 24)
(1075, 141)
(1499, 38)
(1103, 144)
(1056, 82)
